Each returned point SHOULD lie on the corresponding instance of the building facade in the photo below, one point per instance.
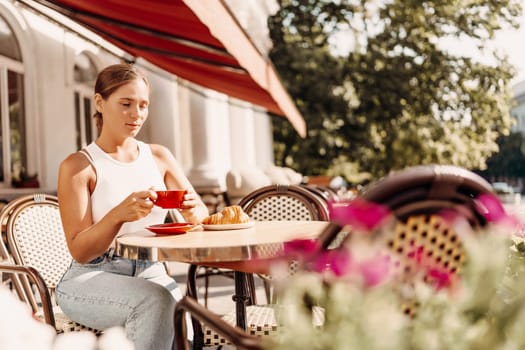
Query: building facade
(518, 110)
(48, 66)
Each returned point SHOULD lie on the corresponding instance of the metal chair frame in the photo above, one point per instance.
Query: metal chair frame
(324, 192)
(429, 188)
(34, 278)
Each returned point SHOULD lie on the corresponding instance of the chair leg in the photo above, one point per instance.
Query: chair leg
(250, 286)
(206, 286)
(268, 291)
(191, 291)
(191, 284)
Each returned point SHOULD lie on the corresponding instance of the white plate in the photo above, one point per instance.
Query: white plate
(228, 226)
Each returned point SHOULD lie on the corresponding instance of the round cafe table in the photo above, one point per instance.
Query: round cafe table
(241, 250)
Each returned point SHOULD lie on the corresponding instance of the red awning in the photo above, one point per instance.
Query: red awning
(197, 40)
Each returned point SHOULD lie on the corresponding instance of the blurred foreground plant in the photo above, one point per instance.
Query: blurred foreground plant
(483, 308)
(19, 330)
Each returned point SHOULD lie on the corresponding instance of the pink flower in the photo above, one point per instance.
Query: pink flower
(441, 278)
(490, 206)
(374, 270)
(417, 255)
(358, 213)
(301, 248)
(339, 261)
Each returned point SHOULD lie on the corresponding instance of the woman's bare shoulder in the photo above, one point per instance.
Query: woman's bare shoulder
(160, 151)
(75, 162)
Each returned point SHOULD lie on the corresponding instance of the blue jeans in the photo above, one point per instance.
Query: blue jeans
(113, 291)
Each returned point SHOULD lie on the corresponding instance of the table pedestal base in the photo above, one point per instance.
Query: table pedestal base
(240, 298)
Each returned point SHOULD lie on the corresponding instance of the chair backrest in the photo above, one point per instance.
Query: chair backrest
(19, 282)
(423, 243)
(36, 238)
(430, 189)
(284, 202)
(324, 192)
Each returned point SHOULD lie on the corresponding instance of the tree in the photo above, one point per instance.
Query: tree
(509, 162)
(399, 97)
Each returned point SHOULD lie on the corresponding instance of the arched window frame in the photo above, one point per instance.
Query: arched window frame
(13, 69)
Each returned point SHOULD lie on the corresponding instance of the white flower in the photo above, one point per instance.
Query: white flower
(82, 340)
(18, 329)
(114, 339)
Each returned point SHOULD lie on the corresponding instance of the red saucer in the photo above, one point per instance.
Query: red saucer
(175, 228)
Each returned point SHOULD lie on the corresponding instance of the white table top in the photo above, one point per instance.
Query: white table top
(264, 240)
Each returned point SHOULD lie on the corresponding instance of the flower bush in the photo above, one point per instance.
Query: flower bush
(482, 308)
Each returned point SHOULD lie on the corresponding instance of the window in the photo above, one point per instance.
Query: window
(85, 75)
(13, 148)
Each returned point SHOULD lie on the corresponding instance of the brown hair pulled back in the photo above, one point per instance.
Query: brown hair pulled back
(110, 79)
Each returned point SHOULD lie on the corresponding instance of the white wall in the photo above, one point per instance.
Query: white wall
(56, 49)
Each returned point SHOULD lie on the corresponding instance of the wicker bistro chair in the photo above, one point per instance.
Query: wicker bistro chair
(36, 241)
(270, 203)
(416, 196)
(284, 202)
(18, 281)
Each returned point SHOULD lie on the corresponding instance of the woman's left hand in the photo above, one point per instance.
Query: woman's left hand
(189, 205)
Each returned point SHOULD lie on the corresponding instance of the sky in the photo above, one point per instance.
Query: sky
(512, 41)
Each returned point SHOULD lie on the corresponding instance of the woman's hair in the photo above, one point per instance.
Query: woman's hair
(110, 79)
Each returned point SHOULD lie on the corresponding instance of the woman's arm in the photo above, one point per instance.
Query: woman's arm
(193, 208)
(86, 241)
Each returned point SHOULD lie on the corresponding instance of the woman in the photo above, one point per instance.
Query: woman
(105, 190)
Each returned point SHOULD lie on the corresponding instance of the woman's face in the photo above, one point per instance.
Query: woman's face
(125, 110)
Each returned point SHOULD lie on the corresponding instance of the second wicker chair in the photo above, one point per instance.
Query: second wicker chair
(269, 203)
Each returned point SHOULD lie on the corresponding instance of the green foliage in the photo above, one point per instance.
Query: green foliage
(398, 98)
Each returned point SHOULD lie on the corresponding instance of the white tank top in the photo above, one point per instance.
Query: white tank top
(117, 180)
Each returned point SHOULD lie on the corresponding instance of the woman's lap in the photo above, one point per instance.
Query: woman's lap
(139, 296)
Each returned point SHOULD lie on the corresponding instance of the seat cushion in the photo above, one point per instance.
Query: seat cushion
(64, 324)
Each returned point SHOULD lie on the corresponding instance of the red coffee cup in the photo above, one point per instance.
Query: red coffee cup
(170, 199)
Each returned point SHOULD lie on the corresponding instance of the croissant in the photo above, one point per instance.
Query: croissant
(228, 215)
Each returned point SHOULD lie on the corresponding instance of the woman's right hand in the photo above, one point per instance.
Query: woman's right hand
(136, 206)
